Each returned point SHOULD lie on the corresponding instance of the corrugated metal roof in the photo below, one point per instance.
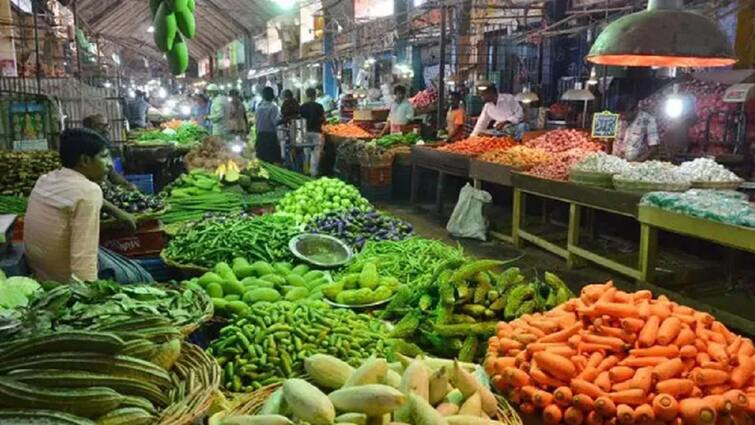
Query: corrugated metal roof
(125, 22)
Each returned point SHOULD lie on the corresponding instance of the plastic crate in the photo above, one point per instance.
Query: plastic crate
(157, 268)
(144, 182)
(376, 175)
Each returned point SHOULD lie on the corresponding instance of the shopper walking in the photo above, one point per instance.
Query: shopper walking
(503, 109)
(266, 120)
(237, 122)
(314, 113)
(219, 111)
(200, 110)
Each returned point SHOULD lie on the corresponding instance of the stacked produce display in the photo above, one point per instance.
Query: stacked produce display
(611, 355)
(212, 153)
(356, 227)
(131, 201)
(346, 131)
(559, 165)
(185, 135)
(478, 145)
(652, 175)
(20, 170)
(424, 98)
(517, 157)
(320, 197)
(723, 206)
(557, 141)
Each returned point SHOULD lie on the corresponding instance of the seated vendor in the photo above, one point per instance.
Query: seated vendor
(455, 118)
(62, 222)
(502, 109)
(401, 113)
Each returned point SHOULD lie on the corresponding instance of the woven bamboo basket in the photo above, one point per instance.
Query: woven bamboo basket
(207, 312)
(590, 178)
(196, 379)
(717, 185)
(644, 187)
(188, 270)
(250, 404)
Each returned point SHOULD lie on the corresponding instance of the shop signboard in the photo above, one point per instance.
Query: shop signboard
(605, 125)
(27, 121)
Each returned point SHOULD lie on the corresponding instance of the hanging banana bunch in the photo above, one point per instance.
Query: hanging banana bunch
(173, 21)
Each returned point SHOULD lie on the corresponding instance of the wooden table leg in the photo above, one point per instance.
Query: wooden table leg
(518, 214)
(439, 189)
(648, 252)
(414, 186)
(575, 218)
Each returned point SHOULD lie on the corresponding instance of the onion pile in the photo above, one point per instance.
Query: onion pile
(560, 164)
(424, 98)
(563, 140)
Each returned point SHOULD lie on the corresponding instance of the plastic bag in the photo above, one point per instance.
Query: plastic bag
(467, 220)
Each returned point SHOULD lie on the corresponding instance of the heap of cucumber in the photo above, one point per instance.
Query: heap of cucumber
(173, 21)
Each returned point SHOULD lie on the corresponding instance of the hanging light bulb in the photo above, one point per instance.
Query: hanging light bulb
(527, 96)
(674, 105)
(593, 80)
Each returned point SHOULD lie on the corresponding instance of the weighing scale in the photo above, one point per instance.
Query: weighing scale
(736, 121)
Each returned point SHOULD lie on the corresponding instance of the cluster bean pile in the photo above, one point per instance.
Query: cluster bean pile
(611, 354)
(356, 227)
(224, 238)
(273, 340)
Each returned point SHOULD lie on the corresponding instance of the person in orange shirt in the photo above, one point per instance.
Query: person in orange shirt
(455, 118)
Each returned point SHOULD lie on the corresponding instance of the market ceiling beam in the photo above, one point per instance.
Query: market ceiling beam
(239, 26)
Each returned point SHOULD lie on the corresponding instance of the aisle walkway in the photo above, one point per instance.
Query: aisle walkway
(430, 226)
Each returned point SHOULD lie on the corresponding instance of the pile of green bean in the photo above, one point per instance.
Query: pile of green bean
(222, 238)
(10, 204)
(270, 343)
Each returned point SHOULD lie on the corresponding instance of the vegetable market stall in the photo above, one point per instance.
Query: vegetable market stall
(444, 163)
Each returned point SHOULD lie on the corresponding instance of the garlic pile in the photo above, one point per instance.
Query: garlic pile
(707, 170)
(602, 162)
(654, 172)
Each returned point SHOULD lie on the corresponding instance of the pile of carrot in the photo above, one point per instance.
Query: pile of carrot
(346, 130)
(612, 357)
(478, 144)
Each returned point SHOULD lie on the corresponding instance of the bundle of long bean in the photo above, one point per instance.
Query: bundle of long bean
(217, 239)
(288, 178)
(194, 207)
(12, 204)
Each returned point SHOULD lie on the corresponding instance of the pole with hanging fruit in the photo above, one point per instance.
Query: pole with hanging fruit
(174, 23)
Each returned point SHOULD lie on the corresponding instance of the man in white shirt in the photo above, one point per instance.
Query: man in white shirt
(502, 108)
(401, 113)
(62, 222)
(638, 138)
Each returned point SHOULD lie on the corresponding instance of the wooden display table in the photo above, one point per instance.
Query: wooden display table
(444, 163)
(578, 197)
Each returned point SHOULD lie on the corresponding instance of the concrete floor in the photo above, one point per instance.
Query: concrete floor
(533, 261)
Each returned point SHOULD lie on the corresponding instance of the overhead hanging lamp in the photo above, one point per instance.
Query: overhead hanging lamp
(578, 94)
(663, 35)
(527, 96)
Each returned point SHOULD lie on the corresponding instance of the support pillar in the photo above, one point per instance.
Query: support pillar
(401, 13)
(329, 84)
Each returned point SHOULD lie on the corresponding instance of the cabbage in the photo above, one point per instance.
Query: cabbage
(16, 291)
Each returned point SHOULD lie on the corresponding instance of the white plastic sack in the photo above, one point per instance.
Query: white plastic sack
(467, 220)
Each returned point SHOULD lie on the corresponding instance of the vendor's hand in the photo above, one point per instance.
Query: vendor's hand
(129, 221)
(501, 125)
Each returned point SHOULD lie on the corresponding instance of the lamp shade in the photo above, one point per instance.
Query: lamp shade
(527, 96)
(578, 94)
(663, 35)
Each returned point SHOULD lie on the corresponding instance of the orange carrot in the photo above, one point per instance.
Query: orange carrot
(702, 357)
(675, 387)
(527, 392)
(499, 383)
(721, 404)
(660, 309)
(574, 340)
(508, 344)
(579, 386)
(703, 377)
(643, 309)
(617, 310)
(644, 414)
(544, 379)
(502, 363)
(583, 402)
(593, 418)
(634, 396)
(527, 408)
(668, 369)
(624, 414)
(715, 365)
(603, 381)
(643, 379)
(696, 411)
(544, 325)
(743, 372)
(607, 296)
(562, 350)
(642, 361)
(573, 416)
(589, 373)
(649, 332)
(552, 415)
(733, 349)
(623, 297)
(668, 351)
(589, 347)
(605, 406)
(665, 407)
(745, 348)
(616, 344)
(608, 363)
(632, 324)
(542, 346)
(562, 335)
(669, 330)
(721, 329)
(557, 366)
(717, 352)
(621, 373)
(542, 398)
(617, 333)
(621, 386)
(685, 337)
(595, 359)
(642, 294)
(704, 318)
(737, 398)
(688, 351)
(563, 396)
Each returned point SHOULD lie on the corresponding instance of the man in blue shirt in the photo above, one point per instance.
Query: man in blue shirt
(136, 110)
(267, 116)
